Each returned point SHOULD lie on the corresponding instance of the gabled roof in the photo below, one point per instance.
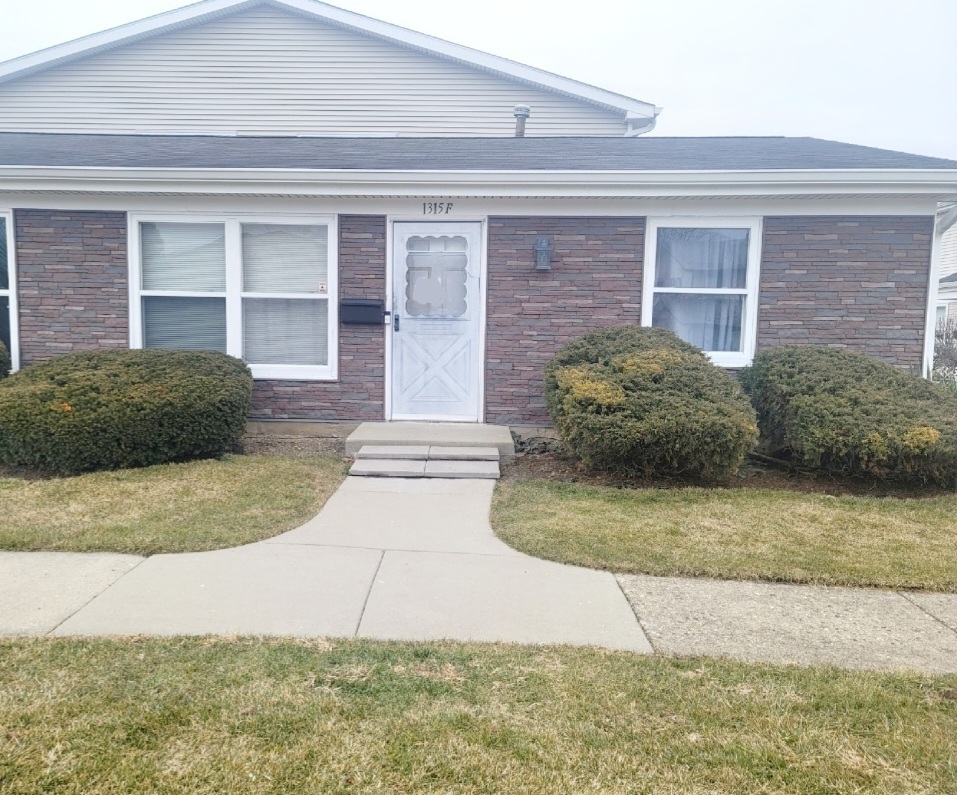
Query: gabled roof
(209, 10)
(597, 154)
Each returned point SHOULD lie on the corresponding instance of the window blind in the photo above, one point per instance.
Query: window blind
(285, 331)
(184, 323)
(282, 258)
(189, 257)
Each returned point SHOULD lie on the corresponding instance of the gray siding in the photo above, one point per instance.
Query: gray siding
(268, 72)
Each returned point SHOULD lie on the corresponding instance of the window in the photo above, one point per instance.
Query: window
(259, 288)
(701, 279)
(8, 291)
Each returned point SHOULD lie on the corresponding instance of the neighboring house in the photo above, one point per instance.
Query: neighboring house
(947, 292)
(258, 177)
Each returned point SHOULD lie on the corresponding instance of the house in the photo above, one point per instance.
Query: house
(346, 205)
(947, 243)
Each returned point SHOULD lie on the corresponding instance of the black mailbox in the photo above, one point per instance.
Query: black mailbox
(361, 312)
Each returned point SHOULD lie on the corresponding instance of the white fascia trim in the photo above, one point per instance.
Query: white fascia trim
(498, 184)
(199, 13)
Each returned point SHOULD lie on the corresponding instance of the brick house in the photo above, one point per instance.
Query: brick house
(346, 205)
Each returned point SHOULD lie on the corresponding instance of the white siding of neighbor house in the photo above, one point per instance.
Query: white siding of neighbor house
(272, 73)
(948, 252)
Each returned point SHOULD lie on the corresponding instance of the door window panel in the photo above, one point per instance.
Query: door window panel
(436, 276)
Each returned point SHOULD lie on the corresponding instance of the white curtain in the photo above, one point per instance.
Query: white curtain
(711, 322)
(702, 258)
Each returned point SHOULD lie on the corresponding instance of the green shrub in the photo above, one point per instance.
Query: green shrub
(640, 402)
(849, 413)
(109, 409)
(5, 362)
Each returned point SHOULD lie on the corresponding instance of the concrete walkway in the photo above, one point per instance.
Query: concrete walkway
(416, 560)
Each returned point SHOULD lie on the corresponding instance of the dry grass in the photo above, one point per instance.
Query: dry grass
(169, 508)
(735, 533)
(202, 716)
(102, 717)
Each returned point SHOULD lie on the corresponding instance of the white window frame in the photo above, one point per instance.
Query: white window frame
(234, 294)
(6, 217)
(749, 327)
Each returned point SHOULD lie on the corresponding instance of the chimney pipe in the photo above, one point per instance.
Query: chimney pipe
(521, 112)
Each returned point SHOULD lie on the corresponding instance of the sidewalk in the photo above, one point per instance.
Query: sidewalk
(413, 559)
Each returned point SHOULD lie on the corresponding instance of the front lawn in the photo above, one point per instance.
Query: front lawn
(206, 716)
(187, 507)
(740, 533)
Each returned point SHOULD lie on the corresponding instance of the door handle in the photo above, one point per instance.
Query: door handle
(395, 321)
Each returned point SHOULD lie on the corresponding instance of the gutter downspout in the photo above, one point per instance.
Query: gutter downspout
(944, 219)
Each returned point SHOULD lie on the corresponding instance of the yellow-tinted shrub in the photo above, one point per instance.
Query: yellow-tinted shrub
(849, 413)
(641, 402)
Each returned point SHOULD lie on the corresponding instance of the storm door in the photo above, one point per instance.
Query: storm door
(437, 305)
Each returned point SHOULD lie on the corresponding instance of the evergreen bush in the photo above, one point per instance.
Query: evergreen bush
(848, 413)
(641, 402)
(109, 409)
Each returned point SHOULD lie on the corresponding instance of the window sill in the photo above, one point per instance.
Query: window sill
(289, 372)
(729, 359)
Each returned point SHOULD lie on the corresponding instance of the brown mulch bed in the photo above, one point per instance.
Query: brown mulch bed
(753, 475)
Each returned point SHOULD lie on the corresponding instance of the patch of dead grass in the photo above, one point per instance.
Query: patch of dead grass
(735, 533)
(253, 716)
(187, 507)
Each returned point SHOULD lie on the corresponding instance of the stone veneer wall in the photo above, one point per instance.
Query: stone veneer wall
(595, 281)
(359, 394)
(857, 282)
(71, 281)
(849, 282)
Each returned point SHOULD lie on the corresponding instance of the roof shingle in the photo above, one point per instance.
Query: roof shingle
(442, 154)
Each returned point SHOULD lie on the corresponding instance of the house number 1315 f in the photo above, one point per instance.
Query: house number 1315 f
(436, 208)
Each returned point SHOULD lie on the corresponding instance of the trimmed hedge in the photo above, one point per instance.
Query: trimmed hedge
(641, 402)
(110, 409)
(5, 361)
(848, 413)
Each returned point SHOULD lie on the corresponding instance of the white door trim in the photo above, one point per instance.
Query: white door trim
(391, 221)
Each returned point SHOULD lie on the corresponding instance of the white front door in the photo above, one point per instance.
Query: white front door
(437, 309)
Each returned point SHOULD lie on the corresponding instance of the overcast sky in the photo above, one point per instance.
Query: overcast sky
(876, 72)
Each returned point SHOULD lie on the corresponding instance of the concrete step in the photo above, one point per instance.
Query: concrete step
(432, 434)
(424, 468)
(423, 452)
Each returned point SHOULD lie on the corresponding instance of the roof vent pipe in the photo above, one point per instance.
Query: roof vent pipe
(521, 112)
